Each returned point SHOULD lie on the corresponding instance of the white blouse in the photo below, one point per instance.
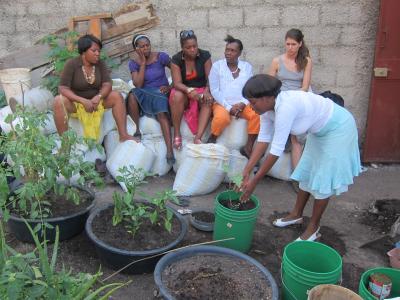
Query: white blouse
(295, 112)
(225, 89)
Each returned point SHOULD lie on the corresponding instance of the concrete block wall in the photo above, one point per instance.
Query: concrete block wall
(339, 33)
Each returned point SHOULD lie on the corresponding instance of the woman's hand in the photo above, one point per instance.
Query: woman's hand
(96, 101)
(141, 59)
(89, 105)
(208, 98)
(248, 186)
(165, 89)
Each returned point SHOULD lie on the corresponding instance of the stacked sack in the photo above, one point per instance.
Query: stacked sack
(202, 169)
(282, 169)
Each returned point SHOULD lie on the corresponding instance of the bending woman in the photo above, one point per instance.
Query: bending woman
(190, 68)
(86, 91)
(293, 68)
(150, 97)
(330, 158)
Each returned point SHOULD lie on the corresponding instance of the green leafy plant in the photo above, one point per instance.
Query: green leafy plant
(39, 161)
(133, 213)
(34, 276)
(3, 100)
(63, 47)
(236, 181)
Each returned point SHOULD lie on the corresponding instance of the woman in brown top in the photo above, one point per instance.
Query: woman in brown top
(86, 91)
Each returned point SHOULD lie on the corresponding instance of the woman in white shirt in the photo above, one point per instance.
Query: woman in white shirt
(227, 78)
(331, 156)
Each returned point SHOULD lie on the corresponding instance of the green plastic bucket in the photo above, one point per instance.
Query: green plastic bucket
(232, 223)
(393, 274)
(308, 264)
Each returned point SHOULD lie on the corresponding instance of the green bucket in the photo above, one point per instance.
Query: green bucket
(393, 274)
(308, 264)
(232, 223)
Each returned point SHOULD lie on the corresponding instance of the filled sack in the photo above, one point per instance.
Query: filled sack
(130, 153)
(157, 146)
(39, 98)
(235, 135)
(282, 169)
(149, 126)
(202, 171)
(236, 165)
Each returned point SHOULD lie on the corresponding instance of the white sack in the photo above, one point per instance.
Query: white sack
(235, 135)
(282, 169)
(39, 98)
(149, 126)
(157, 146)
(236, 165)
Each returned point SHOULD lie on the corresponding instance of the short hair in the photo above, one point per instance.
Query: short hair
(86, 41)
(137, 37)
(185, 35)
(261, 85)
(230, 39)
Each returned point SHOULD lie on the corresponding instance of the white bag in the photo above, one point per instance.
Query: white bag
(50, 126)
(107, 124)
(39, 98)
(4, 112)
(188, 136)
(150, 126)
(75, 125)
(282, 169)
(201, 171)
(158, 147)
(130, 153)
(237, 163)
(235, 135)
(120, 85)
(111, 141)
(92, 155)
(180, 155)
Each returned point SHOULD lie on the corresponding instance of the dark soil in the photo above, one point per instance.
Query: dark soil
(382, 214)
(204, 216)
(148, 237)
(237, 205)
(215, 277)
(60, 206)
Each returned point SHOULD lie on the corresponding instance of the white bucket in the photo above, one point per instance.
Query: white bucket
(15, 81)
(331, 292)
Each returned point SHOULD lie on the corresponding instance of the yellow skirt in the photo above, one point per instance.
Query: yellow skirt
(90, 121)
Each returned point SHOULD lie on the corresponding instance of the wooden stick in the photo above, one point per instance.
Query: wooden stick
(172, 250)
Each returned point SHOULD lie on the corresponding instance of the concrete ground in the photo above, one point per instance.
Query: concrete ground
(343, 228)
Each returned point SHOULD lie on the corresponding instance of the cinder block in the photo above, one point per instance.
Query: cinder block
(226, 17)
(192, 18)
(208, 38)
(339, 56)
(323, 77)
(170, 40)
(51, 23)
(40, 7)
(300, 15)
(346, 76)
(260, 58)
(250, 37)
(261, 16)
(335, 13)
(8, 24)
(20, 40)
(273, 37)
(326, 36)
(242, 3)
(27, 25)
(13, 8)
(167, 18)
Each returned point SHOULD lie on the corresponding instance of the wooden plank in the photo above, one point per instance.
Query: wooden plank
(88, 17)
(134, 12)
(121, 29)
(95, 28)
(31, 58)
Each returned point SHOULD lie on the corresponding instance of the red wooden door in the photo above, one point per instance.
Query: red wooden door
(382, 141)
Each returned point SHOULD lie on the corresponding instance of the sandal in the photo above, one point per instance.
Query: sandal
(177, 143)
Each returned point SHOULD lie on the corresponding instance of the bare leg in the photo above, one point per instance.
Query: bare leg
(116, 102)
(62, 107)
(166, 130)
(133, 111)
(179, 102)
(297, 211)
(318, 209)
(204, 117)
(296, 151)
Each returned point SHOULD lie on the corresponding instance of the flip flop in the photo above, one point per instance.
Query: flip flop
(316, 235)
(281, 223)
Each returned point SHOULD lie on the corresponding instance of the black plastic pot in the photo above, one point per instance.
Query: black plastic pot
(196, 250)
(69, 226)
(201, 225)
(119, 258)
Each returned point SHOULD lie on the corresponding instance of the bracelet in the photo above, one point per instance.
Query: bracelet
(189, 90)
(101, 96)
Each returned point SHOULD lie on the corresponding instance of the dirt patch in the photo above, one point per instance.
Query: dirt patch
(148, 237)
(215, 277)
(381, 215)
(237, 205)
(60, 206)
(204, 216)
(351, 276)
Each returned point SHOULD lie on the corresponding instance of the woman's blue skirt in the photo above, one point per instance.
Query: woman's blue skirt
(151, 101)
(331, 157)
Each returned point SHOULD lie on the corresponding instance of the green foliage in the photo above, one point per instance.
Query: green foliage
(132, 213)
(34, 276)
(59, 53)
(236, 179)
(3, 100)
(39, 161)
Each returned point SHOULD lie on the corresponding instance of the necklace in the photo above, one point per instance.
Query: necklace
(237, 69)
(89, 78)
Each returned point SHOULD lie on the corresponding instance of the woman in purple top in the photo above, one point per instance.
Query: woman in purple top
(150, 95)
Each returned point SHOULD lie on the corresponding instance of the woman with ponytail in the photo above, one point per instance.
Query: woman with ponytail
(293, 69)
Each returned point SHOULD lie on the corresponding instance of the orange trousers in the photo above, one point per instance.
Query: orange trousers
(222, 118)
